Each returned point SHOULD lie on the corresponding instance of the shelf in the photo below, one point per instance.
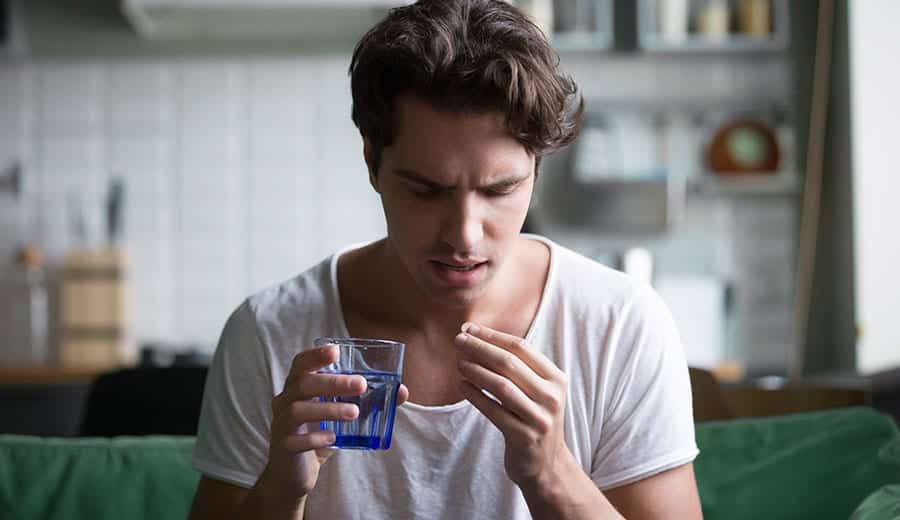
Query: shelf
(779, 184)
(650, 40)
(737, 44)
(613, 182)
(583, 25)
(577, 42)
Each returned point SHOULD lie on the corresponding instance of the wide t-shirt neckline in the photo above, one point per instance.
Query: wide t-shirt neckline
(414, 407)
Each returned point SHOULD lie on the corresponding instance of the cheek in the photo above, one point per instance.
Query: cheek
(407, 220)
(508, 215)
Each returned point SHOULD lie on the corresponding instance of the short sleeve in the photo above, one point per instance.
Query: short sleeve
(647, 418)
(233, 432)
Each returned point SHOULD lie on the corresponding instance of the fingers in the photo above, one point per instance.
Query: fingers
(293, 417)
(294, 423)
(515, 345)
(503, 419)
(510, 396)
(312, 360)
(506, 364)
(319, 384)
(402, 395)
(310, 441)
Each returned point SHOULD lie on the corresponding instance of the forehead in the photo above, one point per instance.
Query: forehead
(412, 113)
(428, 136)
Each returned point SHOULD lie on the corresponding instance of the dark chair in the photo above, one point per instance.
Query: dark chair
(145, 401)
(708, 396)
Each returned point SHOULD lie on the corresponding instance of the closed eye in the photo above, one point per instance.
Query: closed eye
(503, 189)
(500, 192)
(427, 193)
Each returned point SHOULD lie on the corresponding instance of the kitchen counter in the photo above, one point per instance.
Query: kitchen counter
(49, 375)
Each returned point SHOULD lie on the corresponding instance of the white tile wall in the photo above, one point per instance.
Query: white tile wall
(141, 102)
(238, 174)
(70, 100)
(242, 173)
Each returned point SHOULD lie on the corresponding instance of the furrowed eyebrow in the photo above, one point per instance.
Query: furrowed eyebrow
(497, 186)
(506, 183)
(418, 179)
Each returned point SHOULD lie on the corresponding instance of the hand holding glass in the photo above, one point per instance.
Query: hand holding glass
(380, 362)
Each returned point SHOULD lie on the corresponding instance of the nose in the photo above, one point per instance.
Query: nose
(463, 226)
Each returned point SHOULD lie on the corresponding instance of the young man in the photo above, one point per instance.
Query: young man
(456, 101)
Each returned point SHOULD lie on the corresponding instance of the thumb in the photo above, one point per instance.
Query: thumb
(402, 395)
(323, 454)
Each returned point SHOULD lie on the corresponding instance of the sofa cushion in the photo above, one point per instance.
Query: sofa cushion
(812, 465)
(816, 465)
(883, 504)
(92, 478)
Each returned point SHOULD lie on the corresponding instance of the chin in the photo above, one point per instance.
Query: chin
(455, 297)
(458, 299)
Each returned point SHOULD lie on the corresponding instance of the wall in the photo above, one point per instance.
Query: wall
(238, 173)
(875, 108)
(243, 167)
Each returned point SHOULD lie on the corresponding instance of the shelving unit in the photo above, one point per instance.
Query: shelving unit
(573, 25)
(733, 231)
(764, 184)
(650, 39)
(588, 27)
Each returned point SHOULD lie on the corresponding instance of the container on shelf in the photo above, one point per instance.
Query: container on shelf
(673, 16)
(93, 309)
(754, 17)
(25, 317)
(715, 26)
(714, 19)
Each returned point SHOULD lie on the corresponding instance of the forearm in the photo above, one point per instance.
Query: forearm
(568, 494)
(261, 502)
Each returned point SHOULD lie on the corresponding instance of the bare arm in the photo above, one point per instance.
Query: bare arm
(572, 495)
(670, 494)
(528, 408)
(296, 452)
(219, 500)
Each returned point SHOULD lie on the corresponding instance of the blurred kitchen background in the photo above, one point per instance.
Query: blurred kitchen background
(160, 160)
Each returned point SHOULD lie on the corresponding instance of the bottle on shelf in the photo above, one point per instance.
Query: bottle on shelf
(714, 19)
(673, 20)
(754, 17)
(25, 296)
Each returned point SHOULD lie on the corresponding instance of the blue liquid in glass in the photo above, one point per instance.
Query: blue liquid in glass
(371, 430)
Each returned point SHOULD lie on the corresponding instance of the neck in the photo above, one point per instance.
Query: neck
(417, 310)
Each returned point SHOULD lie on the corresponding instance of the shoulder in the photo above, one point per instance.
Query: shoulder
(611, 309)
(283, 310)
(581, 281)
(309, 288)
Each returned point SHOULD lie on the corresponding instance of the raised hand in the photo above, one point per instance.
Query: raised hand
(529, 400)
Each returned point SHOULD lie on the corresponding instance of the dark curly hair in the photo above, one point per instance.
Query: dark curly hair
(464, 55)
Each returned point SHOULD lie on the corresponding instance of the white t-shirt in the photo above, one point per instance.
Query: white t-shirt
(628, 414)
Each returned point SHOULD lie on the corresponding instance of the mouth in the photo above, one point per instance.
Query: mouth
(459, 274)
(462, 268)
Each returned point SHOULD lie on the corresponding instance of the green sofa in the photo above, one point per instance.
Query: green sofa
(822, 465)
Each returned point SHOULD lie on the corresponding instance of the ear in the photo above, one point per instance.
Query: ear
(367, 155)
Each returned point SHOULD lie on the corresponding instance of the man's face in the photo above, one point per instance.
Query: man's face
(455, 188)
